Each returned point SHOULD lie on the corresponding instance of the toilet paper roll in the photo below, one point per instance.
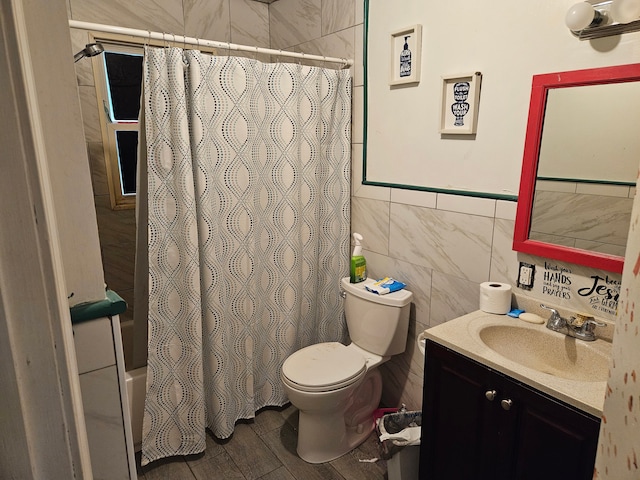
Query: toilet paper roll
(495, 297)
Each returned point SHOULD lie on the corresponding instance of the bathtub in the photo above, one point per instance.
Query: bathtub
(136, 381)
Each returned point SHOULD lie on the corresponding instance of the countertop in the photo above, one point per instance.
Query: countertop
(461, 336)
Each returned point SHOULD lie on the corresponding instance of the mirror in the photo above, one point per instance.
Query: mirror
(580, 166)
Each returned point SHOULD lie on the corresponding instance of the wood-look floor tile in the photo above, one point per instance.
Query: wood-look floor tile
(250, 454)
(283, 443)
(351, 468)
(213, 448)
(267, 419)
(280, 474)
(174, 468)
(218, 466)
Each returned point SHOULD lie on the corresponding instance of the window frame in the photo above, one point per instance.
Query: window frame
(122, 44)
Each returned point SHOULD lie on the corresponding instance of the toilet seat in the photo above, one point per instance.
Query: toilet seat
(323, 367)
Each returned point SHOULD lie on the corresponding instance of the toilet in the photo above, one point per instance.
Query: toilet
(335, 387)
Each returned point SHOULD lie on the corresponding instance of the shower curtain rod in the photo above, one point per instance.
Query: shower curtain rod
(200, 42)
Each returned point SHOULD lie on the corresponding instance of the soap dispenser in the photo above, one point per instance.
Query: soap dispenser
(358, 263)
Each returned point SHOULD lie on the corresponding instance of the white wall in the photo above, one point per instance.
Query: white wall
(508, 42)
(67, 157)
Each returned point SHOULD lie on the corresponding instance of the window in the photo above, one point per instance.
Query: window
(118, 78)
(118, 73)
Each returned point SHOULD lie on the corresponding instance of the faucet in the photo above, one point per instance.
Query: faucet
(581, 328)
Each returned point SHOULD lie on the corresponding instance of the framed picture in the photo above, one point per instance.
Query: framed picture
(405, 56)
(460, 99)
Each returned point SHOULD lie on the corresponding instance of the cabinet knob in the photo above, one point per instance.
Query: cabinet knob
(490, 394)
(506, 404)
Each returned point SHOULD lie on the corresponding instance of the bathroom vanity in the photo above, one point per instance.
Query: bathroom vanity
(486, 415)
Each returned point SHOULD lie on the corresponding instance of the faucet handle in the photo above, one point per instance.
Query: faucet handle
(554, 312)
(590, 324)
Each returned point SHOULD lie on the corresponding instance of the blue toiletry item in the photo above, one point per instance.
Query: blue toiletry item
(385, 285)
(515, 313)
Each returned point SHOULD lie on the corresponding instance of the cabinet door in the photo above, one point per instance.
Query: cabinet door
(455, 412)
(480, 424)
(555, 441)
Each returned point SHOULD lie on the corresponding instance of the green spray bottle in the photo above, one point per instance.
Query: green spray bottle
(358, 262)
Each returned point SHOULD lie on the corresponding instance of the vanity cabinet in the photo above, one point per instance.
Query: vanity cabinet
(481, 424)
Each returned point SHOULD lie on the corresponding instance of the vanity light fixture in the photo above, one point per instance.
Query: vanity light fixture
(602, 18)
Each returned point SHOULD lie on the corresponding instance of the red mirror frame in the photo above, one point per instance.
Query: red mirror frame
(540, 86)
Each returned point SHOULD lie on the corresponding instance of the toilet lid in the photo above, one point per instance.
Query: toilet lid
(324, 366)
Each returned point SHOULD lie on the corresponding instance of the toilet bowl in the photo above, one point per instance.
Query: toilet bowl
(335, 387)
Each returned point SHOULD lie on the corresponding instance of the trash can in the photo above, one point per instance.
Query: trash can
(399, 435)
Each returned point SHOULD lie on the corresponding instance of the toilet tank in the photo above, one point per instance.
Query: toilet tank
(377, 323)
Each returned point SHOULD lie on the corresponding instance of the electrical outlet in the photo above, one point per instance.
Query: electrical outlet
(525, 275)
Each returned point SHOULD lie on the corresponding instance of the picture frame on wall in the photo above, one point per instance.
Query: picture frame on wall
(406, 52)
(460, 102)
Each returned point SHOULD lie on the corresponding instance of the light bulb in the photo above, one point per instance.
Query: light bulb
(580, 16)
(625, 11)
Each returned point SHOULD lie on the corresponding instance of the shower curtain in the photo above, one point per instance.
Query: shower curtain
(248, 170)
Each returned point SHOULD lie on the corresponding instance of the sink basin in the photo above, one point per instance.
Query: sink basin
(549, 352)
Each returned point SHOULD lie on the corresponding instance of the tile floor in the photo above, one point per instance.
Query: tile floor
(265, 449)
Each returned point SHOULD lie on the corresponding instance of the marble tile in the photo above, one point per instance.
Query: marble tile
(98, 168)
(586, 217)
(115, 227)
(552, 186)
(414, 197)
(417, 278)
(454, 243)
(156, 15)
(462, 204)
(506, 210)
(359, 12)
(337, 15)
(357, 115)
(250, 23)
(452, 297)
(118, 263)
(504, 260)
(555, 239)
(84, 69)
(605, 190)
(358, 68)
(90, 114)
(370, 218)
(340, 44)
(292, 22)
(103, 415)
(607, 248)
(207, 19)
(401, 386)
